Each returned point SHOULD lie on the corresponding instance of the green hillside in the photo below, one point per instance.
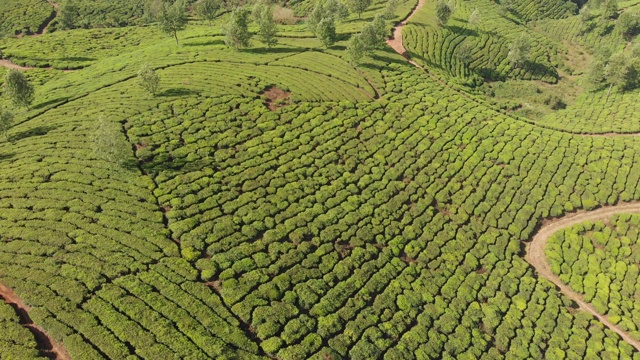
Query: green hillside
(294, 202)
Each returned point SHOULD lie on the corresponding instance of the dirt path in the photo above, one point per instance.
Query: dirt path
(9, 65)
(534, 255)
(47, 346)
(55, 14)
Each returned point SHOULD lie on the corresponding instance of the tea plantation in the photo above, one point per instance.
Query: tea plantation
(299, 200)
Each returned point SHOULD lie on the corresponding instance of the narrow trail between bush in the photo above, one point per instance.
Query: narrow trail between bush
(45, 26)
(535, 255)
(46, 345)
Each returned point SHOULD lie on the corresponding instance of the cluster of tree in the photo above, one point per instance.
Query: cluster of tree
(322, 20)
(519, 50)
(608, 12)
(371, 37)
(621, 70)
(236, 30)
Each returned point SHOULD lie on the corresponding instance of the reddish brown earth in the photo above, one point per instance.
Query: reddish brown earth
(534, 254)
(46, 345)
(276, 98)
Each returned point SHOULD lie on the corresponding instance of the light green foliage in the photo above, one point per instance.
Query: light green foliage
(69, 15)
(334, 9)
(18, 89)
(236, 30)
(148, 79)
(356, 49)
(268, 29)
(358, 6)
(326, 32)
(173, 18)
(108, 144)
(6, 121)
(443, 12)
(464, 53)
(519, 50)
(390, 10)
(373, 34)
(475, 18)
(621, 71)
(207, 9)
(627, 23)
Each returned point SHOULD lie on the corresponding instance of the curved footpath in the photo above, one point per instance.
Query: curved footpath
(534, 255)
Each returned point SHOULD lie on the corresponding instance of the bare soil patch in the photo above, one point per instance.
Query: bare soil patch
(275, 98)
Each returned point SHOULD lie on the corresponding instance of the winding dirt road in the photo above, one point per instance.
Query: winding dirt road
(534, 255)
(395, 41)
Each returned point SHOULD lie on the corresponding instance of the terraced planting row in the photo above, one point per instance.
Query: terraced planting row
(24, 17)
(437, 47)
(599, 260)
(597, 113)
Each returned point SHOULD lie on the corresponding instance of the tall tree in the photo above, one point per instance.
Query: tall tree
(356, 49)
(627, 24)
(208, 9)
(443, 12)
(621, 72)
(335, 9)
(358, 6)
(390, 10)
(326, 32)
(173, 18)
(148, 79)
(463, 52)
(373, 34)
(18, 89)
(69, 14)
(263, 16)
(6, 120)
(475, 18)
(236, 30)
(519, 50)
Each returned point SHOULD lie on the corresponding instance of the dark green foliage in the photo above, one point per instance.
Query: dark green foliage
(519, 50)
(69, 15)
(148, 79)
(356, 49)
(444, 10)
(6, 121)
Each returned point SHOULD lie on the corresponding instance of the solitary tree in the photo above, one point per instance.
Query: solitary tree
(236, 30)
(595, 74)
(208, 9)
(519, 50)
(474, 18)
(356, 49)
(18, 89)
(173, 18)
(358, 6)
(610, 9)
(620, 72)
(443, 12)
(263, 16)
(6, 120)
(107, 142)
(464, 52)
(390, 9)
(69, 14)
(148, 79)
(326, 32)
(627, 24)
(373, 34)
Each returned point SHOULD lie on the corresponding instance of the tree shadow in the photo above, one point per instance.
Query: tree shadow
(274, 50)
(76, 58)
(4, 157)
(178, 92)
(50, 102)
(462, 30)
(38, 131)
(205, 43)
